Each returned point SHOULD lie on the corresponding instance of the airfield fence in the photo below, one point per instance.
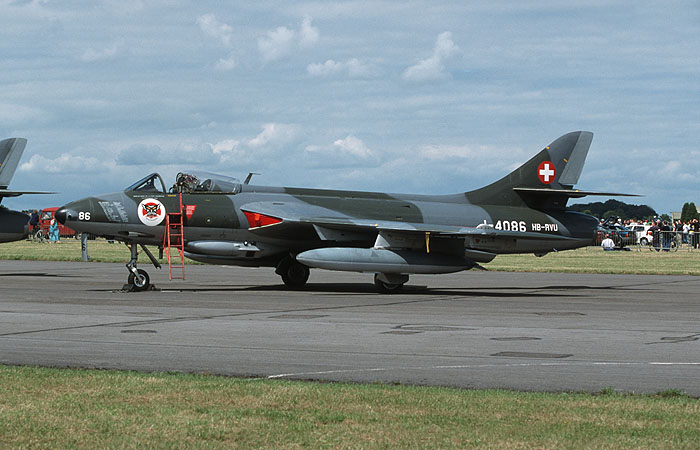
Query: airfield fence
(654, 241)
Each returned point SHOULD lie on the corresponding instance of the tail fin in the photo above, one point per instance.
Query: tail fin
(545, 181)
(10, 153)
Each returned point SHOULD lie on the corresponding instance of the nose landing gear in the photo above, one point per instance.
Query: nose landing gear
(138, 279)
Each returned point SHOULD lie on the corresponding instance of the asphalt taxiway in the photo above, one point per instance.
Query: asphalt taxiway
(522, 331)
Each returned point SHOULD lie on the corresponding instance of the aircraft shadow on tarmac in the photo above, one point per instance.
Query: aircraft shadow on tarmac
(37, 274)
(368, 289)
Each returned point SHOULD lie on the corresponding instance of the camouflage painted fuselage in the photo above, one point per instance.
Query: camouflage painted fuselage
(399, 234)
(221, 218)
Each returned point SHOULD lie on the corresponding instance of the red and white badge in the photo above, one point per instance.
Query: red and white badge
(546, 172)
(151, 212)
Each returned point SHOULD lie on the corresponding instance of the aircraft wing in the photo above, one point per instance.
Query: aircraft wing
(332, 225)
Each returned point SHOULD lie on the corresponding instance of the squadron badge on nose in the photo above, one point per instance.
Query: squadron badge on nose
(151, 212)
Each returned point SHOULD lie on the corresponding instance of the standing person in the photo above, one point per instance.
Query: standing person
(53, 231)
(665, 231)
(696, 232)
(33, 223)
(654, 230)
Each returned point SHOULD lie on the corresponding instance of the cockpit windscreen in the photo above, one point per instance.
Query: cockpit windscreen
(150, 183)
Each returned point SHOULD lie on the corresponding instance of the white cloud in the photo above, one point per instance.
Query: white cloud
(445, 152)
(330, 67)
(276, 43)
(111, 52)
(308, 34)
(353, 67)
(64, 164)
(273, 134)
(433, 68)
(353, 146)
(348, 152)
(211, 26)
(226, 63)
(282, 41)
(226, 146)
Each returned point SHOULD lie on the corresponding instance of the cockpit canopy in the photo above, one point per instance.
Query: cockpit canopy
(190, 182)
(150, 183)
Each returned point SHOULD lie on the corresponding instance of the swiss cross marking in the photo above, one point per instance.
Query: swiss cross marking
(546, 172)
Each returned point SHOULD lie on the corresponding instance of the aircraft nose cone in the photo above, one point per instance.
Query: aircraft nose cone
(63, 214)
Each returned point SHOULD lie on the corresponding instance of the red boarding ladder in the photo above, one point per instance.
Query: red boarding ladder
(174, 239)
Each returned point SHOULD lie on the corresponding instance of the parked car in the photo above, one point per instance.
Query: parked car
(620, 234)
(644, 236)
(45, 216)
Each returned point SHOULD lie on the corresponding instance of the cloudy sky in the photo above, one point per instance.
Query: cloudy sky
(412, 96)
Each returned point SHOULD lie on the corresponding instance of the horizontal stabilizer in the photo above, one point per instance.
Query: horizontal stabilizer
(12, 193)
(571, 193)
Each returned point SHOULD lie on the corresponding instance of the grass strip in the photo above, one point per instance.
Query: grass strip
(60, 408)
(99, 250)
(639, 261)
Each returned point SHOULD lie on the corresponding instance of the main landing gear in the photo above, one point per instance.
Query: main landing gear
(293, 273)
(389, 283)
(138, 279)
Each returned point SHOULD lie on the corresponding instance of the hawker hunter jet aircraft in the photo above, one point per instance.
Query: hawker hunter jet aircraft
(227, 222)
(13, 224)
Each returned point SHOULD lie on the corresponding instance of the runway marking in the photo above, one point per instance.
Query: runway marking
(482, 366)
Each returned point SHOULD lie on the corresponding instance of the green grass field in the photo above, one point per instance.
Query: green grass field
(595, 260)
(584, 260)
(62, 408)
(68, 250)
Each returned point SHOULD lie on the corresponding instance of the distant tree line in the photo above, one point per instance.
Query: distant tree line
(615, 208)
(689, 212)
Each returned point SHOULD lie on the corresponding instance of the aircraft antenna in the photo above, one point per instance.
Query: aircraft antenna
(250, 175)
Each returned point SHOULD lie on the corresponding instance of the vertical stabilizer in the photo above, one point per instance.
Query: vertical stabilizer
(10, 153)
(556, 168)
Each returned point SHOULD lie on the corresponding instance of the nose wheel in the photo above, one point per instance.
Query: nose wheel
(139, 282)
(138, 279)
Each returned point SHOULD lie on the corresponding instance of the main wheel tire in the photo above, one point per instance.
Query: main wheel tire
(643, 241)
(295, 275)
(386, 288)
(140, 282)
